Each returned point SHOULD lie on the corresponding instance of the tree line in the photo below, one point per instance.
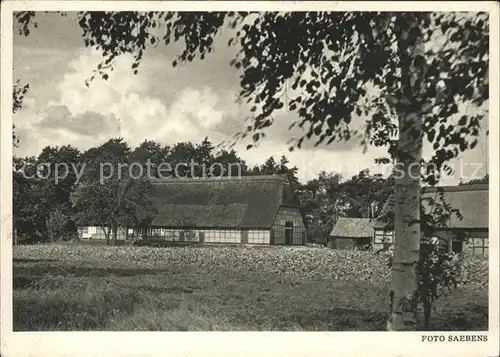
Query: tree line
(51, 203)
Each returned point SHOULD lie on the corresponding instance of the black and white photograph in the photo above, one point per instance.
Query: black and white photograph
(251, 167)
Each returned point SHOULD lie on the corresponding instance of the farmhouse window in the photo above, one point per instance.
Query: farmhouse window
(259, 236)
(479, 245)
(383, 237)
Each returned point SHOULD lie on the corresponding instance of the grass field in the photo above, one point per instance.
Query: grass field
(77, 287)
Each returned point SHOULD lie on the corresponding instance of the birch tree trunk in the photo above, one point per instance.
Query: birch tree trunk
(404, 277)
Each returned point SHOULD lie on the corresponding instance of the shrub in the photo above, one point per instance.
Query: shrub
(439, 273)
(57, 225)
(317, 234)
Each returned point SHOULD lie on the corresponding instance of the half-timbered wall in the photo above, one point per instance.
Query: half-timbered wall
(246, 236)
(289, 214)
(230, 236)
(477, 244)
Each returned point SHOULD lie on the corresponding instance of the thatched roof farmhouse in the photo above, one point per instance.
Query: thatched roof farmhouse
(250, 209)
(245, 202)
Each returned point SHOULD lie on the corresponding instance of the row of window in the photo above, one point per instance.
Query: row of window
(211, 235)
(472, 243)
(478, 242)
(222, 236)
(259, 237)
(477, 245)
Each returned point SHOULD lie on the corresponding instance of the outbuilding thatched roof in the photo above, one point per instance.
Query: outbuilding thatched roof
(242, 202)
(470, 200)
(353, 228)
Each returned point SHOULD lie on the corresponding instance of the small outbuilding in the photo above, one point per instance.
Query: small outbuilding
(351, 233)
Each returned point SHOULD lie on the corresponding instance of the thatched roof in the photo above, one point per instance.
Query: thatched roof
(353, 228)
(243, 202)
(470, 200)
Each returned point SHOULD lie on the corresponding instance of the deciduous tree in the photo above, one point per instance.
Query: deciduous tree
(149, 151)
(367, 193)
(107, 195)
(232, 163)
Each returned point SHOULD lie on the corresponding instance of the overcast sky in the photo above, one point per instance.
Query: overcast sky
(160, 103)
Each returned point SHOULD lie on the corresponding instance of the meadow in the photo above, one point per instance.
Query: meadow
(125, 288)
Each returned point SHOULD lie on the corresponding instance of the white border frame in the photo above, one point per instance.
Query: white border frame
(238, 343)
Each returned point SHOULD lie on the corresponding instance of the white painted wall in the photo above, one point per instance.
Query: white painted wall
(94, 232)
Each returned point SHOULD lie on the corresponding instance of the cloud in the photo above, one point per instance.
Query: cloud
(89, 123)
(311, 161)
(123, 106)
(122, 98)
(189, 113)
(196, 113)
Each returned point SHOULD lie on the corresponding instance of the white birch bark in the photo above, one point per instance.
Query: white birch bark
(404, 278)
